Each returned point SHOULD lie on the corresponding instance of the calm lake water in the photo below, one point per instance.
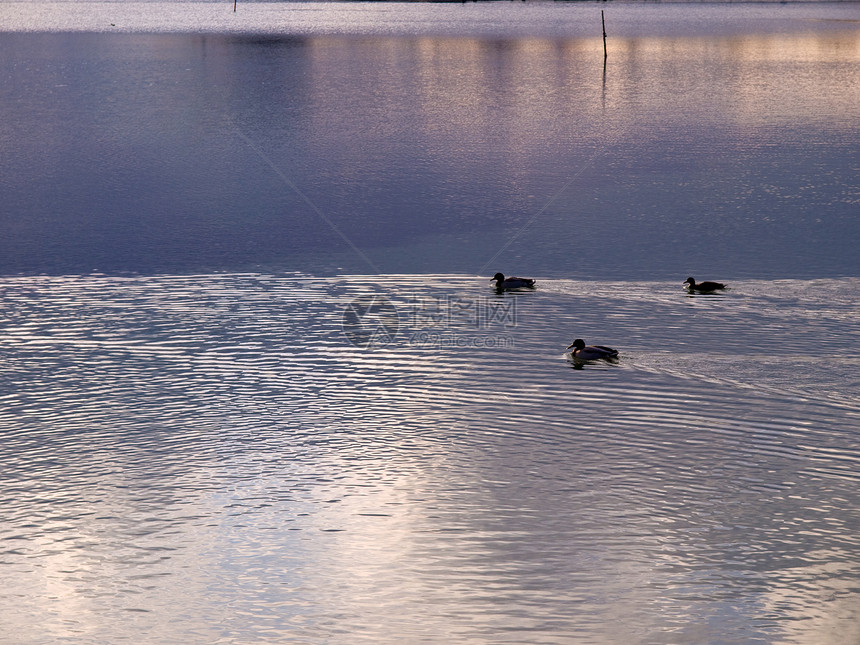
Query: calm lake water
(255, 386)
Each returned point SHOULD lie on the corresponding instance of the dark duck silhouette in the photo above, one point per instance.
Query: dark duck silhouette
(703, 287)
(591, 352)
(512, 283)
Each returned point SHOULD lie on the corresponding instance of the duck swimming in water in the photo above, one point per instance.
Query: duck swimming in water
(703, 287)
(591, 352)
(512, 283)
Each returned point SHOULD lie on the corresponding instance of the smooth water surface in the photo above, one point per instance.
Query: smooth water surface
(255, 386)
(731, 155)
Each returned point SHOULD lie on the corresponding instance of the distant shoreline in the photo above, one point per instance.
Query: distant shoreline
(421, 18)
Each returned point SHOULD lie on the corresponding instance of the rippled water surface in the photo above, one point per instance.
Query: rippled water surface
(212, 458)
(255, 386)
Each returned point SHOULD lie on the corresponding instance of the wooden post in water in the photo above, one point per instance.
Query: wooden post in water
(234, 5)
(603, 23)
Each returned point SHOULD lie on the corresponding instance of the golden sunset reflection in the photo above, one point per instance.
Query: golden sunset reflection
(460, 84)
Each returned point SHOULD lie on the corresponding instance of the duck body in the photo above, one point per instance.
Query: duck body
(512, 283)
(705, 286)
(591, 352)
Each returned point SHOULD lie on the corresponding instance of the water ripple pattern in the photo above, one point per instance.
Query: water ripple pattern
(260, 458)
